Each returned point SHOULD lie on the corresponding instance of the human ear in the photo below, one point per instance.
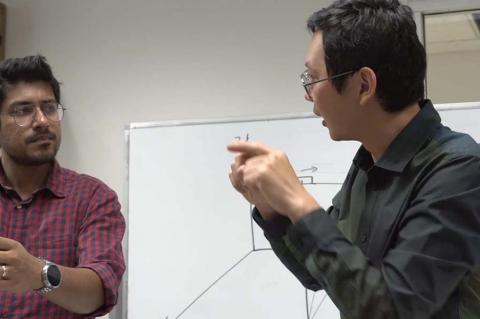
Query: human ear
(368, 84)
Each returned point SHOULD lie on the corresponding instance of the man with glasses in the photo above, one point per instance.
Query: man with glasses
(60, 232)
(402, 237)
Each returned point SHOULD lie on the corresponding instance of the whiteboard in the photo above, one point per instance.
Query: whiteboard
(193, 250)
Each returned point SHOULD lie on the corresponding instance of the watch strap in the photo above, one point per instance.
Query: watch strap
(47, 286)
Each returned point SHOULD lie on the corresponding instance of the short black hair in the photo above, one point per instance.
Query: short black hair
(381, 35)
(28, 69)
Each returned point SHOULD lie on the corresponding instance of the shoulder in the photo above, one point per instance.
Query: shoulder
(455, 144)
(450, 163)
(83, 183)
(446, 148)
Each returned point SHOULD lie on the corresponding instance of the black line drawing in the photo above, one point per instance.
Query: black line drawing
(239, 137)
(312, 169)
(212, 284)
(312, 303)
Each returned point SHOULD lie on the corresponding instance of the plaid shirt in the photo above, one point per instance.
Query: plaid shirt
(74, 221)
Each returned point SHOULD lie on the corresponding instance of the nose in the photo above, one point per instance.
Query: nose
(39, 119)
(307, 97)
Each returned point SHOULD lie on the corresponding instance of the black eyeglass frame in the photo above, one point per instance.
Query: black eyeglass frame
(305, 76)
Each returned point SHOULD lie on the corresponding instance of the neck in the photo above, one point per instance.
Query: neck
(24, 179)
(384, 127)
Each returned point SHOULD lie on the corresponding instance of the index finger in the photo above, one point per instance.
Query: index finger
(248, 148)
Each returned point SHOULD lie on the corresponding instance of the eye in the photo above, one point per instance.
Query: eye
(49, 108)
(23, 110)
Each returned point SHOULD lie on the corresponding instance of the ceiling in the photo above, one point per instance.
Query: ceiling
(452, 32)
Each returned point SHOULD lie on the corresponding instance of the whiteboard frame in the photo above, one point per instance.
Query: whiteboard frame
(122, 307)
(272, 117)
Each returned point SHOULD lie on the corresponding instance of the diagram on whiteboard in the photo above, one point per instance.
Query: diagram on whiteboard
(314, 301)
(192, 242)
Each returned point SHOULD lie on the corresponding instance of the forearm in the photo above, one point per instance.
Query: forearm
(80, 291)
(275, 230)
(356, 287)
(363, 295)
(415, 279)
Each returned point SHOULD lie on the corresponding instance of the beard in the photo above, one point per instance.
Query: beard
(42, 154)
(34, 159)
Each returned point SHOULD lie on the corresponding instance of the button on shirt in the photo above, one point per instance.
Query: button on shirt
(73, 221)
(402, 237)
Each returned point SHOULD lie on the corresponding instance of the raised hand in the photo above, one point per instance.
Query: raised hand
(265, 177)
(19, 271)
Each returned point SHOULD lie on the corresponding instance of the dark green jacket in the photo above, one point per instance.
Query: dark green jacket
(402, 238)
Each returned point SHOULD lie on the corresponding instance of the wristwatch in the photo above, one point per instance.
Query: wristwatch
(51, 277)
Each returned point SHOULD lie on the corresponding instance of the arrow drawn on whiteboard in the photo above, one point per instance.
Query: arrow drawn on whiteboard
(311, 169)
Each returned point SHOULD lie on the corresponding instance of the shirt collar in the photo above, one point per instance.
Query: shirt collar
(56, 181)
(54, 184)
(404, 147)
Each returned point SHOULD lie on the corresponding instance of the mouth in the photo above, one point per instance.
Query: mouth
(316, 112)
(324, 123)
(42, 138)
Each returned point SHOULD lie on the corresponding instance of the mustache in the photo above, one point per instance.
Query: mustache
(40, 136)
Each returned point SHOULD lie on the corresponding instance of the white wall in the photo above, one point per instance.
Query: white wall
(152, 60)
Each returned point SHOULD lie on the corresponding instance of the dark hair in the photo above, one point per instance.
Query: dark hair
(28, 69)
(380, 34)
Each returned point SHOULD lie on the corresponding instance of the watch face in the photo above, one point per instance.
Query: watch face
(54, 275)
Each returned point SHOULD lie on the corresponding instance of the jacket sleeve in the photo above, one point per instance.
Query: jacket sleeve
(275, 231)
(434, 248)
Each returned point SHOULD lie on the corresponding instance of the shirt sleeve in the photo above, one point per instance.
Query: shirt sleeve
(435, 247)
(274, 231)
(100, 244)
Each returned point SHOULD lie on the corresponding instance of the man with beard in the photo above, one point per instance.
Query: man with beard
(60, 231)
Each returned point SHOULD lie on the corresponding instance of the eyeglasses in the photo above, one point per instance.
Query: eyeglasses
(23, 114)
(307, 80)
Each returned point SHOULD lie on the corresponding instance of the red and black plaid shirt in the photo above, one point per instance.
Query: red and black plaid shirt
(74, 221)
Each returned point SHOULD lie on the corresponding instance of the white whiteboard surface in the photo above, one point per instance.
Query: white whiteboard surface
(193, 250)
